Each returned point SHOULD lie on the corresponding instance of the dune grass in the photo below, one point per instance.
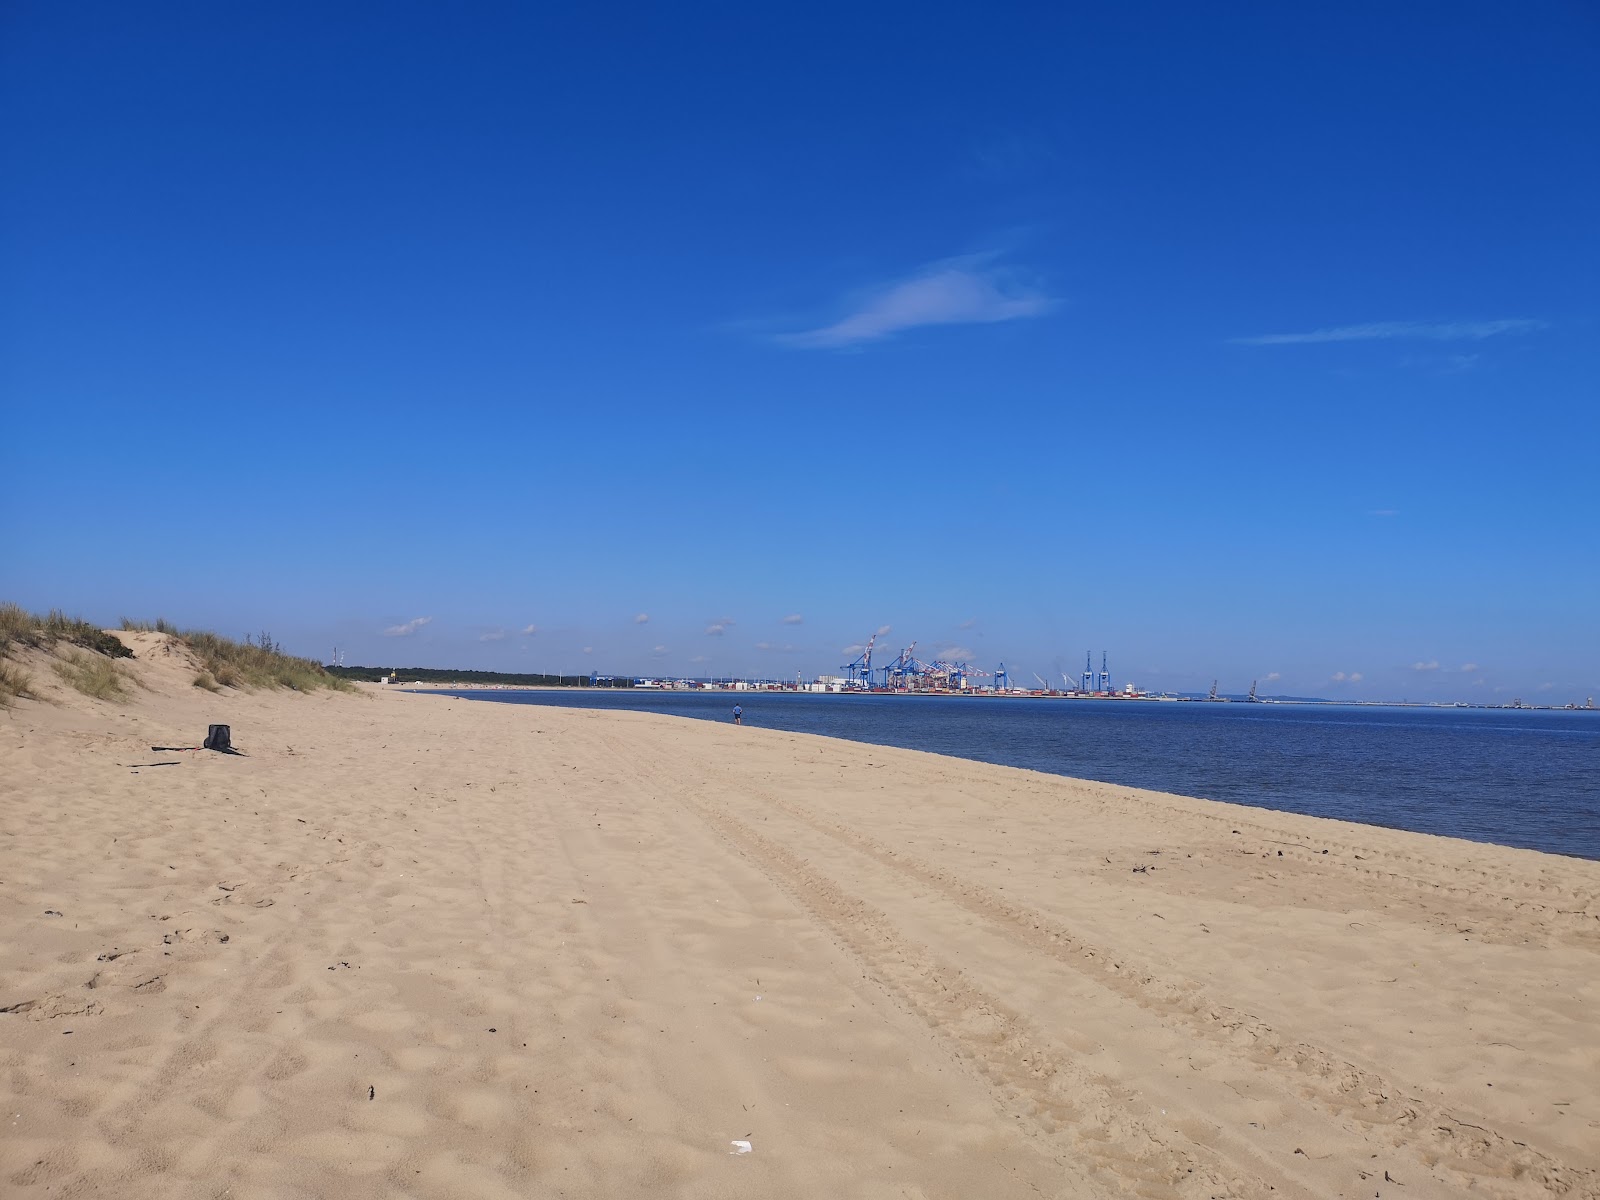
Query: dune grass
(223, 662)
(19, 627)
(15, 683)
(159, 625)
(94, 675)
(257, 663)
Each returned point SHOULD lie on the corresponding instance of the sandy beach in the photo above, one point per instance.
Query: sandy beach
(420, 947)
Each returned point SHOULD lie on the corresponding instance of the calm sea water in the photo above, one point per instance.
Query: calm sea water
(1517, 778)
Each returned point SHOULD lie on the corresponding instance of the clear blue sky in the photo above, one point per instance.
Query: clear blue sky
(1245, 342)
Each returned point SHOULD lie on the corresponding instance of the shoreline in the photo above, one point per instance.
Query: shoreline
(590, 951)
(1427, 801)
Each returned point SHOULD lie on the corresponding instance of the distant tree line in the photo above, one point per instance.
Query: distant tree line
(507, 679)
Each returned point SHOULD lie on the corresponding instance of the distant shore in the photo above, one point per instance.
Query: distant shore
(445, 686)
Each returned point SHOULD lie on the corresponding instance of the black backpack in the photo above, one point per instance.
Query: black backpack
(219, 737)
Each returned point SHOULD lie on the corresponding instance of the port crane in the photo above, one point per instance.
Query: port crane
(941, 673)
(859, 669)
(894, 675)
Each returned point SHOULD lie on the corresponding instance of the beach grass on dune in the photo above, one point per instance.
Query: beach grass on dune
(222, 662)
(256, 663)
(159, 625)
(19, 627)
(94, 675)
(14, 683)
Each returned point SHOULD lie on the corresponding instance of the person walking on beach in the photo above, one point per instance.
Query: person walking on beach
(738, 715)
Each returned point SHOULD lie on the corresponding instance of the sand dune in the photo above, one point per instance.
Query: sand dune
(410, 946)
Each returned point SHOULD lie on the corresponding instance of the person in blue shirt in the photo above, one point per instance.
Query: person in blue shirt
(738, 715)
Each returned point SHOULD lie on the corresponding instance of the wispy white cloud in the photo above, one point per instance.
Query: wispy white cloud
(529, 630)
(659, 651)
(774, 648)
(794, 619)
(1420, 666)
(719, 627)
(700, 658)
(1271, 677)
(642, 619)
(971, 290)
(956, 654)
(494, 635)
(969, 623)
(1468, 668)
(885, 630)
(588, 649)
(408, 628)
(1341, 677)
(1423, 331)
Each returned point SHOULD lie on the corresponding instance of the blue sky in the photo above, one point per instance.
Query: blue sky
(1252, 343)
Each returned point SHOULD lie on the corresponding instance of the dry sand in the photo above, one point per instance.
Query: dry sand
(419, 947)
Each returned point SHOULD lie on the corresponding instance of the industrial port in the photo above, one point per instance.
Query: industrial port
(906, 674)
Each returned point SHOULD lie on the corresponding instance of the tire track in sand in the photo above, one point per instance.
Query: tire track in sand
(1087, 1122)
(1466, 1147)
(1478, 1156)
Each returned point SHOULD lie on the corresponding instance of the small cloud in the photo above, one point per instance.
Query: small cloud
(529, 630)
(1341, 677)
(588, 649)
(1425, 331)
(699, 658)
(773, 648)
(719, 627)
(971, 290)
(857, 648)
(659, 650)
(1433, 665)
(1271, 677)
(1545, 687)
(408, 628)
(969, 623)
(885, 630)
(956, 654)
(1383, 512)
(1468, 668)
(642, 619)
(494, 635)
(794, 619)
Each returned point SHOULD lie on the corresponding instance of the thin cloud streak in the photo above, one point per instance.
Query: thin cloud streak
(1424, 331)
(408, 628)
(956, 291)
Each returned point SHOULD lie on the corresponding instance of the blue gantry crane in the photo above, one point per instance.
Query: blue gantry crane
(859, 669)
